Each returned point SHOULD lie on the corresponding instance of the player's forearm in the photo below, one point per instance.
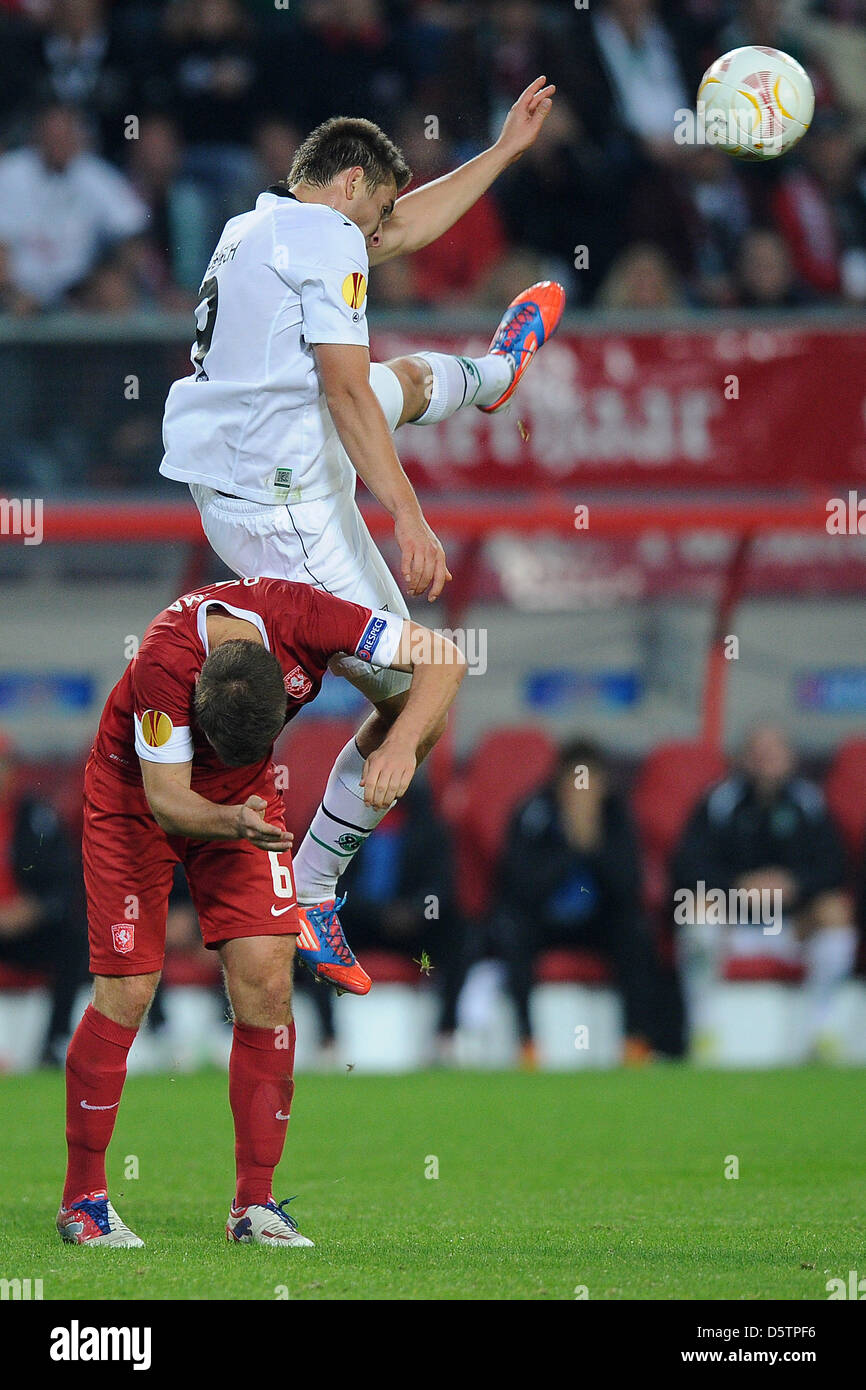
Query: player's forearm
(437, 673)
(365, 436)
(427, 212)
(185, 813)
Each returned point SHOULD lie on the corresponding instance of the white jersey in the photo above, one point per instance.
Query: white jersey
(251, 421)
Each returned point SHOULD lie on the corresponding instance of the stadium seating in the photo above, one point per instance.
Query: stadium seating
(308, 750)
(576, 1015)
(505, 767)
(671, 780)
(845, 786)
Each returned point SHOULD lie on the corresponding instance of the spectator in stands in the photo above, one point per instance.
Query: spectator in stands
(767, 828)
(570, 877)
(80, 53)
(275, 142)
(401, 898)
(179, 214)
(641, 278)
(61, 208)
(41, 926)
(341, 60)
(642, 72)
(216, 83)
(576, 198)
(820, 209)
(451, 268)
(765, 277)
(834, 33)
(715, 216)
(760, 22)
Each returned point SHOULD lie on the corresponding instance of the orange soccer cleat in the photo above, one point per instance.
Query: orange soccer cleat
(529, 321)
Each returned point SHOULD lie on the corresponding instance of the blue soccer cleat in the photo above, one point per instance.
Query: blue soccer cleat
(324, 950)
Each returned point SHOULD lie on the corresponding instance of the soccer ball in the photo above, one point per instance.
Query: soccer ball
(757, 102)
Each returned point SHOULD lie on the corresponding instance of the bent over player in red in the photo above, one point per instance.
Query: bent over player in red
(180, 771)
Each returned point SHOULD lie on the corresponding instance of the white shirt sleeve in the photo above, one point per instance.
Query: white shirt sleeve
(171, 744)
(330, 276)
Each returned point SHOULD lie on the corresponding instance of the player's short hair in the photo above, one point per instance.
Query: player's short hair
(344, 142)
(240, 701)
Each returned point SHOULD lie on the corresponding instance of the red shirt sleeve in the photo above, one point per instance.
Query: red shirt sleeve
(329, 625)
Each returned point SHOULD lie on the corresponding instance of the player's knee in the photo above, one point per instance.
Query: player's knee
(263, 1003)
(125, 999)
(258, 973)
(416, 379)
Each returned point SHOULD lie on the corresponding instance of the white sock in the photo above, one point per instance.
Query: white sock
(339, 828)
(461, 381)
(829, 954)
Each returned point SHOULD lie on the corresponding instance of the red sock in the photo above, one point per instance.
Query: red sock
(260, 1092)
(95, 1073)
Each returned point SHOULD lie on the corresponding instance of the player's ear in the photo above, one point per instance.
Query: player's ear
(355, 182)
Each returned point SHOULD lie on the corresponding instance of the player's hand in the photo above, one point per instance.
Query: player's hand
(422, 556)
(526, 117)
(387, 773)
(251, 825)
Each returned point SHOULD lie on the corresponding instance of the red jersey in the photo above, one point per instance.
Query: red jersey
(149, 713)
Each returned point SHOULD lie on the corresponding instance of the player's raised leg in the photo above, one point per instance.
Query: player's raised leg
(340, 826)
(258, 972)
(95, 1073)
(435, 385)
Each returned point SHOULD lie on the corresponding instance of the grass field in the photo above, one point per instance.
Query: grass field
(613, 1181)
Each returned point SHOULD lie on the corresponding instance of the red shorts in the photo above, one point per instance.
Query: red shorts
(129, 864)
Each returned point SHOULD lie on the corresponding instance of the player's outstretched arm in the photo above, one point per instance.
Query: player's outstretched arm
(178, 810)
(364, 433)
(424, 214)
(437, 668)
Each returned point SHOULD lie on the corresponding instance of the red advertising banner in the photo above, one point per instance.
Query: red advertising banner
(756, 407)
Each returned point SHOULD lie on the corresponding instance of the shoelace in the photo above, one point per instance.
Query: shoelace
(524, 316)
(326, 918)
(98, 1211)
(278, 1209)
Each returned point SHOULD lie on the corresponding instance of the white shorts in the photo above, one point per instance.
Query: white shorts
(324, 543)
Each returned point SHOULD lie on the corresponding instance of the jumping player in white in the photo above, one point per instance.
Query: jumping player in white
(284, 410)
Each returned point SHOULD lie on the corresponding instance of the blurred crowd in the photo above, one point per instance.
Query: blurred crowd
(568, 891)
(130, 131)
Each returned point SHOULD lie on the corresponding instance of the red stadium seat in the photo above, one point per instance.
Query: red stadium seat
(568, 967)
(308, 749)
(845, 786)
(671, 780)
(505, 768)
(761, 969)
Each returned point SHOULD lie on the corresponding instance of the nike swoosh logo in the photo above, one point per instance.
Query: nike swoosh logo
(278, 911)
(85, 1106)
(280, 1116)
